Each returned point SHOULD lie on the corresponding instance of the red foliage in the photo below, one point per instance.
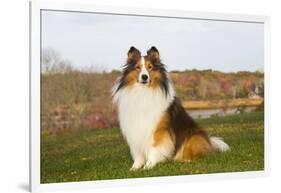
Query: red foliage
(225, 86)
(247, 85)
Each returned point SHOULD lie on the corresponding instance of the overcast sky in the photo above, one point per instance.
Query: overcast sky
(102, 41)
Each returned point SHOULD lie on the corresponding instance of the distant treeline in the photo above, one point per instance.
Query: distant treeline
(209, 84)
(76, 99)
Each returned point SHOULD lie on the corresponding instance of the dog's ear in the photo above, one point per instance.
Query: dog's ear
(153, 55)
(133, 55)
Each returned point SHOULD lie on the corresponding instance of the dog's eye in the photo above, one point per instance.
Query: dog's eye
(137, 67)
(149, 67)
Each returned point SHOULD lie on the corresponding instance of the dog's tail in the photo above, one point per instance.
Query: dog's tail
(218, 144)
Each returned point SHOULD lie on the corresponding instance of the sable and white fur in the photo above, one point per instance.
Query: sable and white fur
(140, 108)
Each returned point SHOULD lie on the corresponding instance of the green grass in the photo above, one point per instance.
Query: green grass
(103, 154)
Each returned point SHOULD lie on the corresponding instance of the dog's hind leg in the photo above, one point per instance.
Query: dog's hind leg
(193, 148)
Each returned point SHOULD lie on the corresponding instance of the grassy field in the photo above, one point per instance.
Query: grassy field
(103, 154)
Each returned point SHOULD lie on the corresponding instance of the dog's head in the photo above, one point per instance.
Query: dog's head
(144, 70)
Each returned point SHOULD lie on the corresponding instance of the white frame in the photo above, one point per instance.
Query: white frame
(35, 45)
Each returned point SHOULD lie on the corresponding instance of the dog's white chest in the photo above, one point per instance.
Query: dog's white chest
(140, 109)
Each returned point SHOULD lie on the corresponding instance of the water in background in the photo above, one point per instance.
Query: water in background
(207, 113)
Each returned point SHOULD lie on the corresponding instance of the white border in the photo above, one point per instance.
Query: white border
(36, 6)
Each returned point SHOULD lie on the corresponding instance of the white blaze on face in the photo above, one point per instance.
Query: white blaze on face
(144, 75)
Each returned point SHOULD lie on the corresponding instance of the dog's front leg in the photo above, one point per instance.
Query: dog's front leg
(139, 161)
(154, 156)
(158, 153)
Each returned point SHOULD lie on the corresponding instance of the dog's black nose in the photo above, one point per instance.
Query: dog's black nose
(144, 77)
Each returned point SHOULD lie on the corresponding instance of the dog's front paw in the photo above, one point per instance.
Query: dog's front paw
(134, 168)
(149, 164)
(137, 165)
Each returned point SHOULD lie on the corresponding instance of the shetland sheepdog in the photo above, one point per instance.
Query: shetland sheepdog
(152, 119)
